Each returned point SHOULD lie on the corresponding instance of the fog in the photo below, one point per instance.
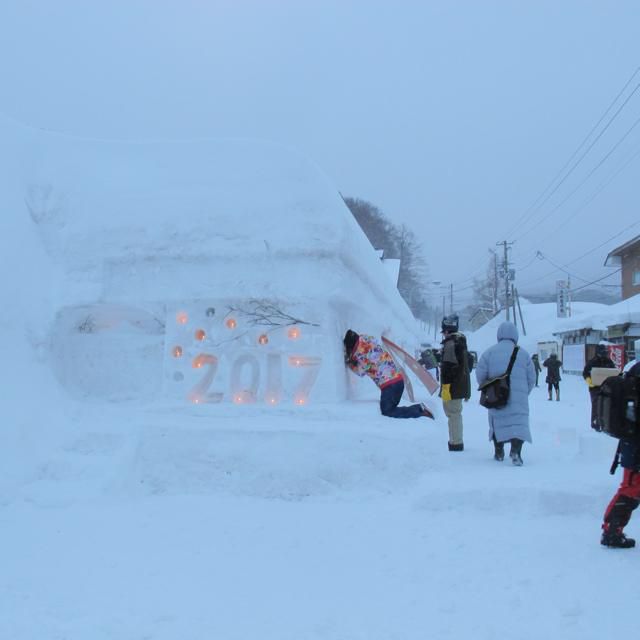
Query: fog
(452, 118)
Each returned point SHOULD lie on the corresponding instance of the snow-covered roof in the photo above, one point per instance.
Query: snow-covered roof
(626, 311)
(614, 257)
(542, 324)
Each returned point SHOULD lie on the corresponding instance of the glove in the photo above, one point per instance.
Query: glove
(589, 382)
(446, 392)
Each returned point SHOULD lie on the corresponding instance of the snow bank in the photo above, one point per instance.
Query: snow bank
(29, 288)
(540, 321)
(605, 316)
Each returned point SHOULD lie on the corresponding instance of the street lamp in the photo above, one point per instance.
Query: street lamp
(438, 283)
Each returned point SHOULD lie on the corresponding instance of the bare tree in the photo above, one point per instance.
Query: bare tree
(401, 243)
(485, 289)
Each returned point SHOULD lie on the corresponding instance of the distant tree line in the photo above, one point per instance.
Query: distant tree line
(399, 242)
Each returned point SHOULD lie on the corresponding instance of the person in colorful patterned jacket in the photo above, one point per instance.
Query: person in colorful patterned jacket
(365, 356)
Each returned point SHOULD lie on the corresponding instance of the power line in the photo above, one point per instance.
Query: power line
(558, 267)
(598, 191)
(537, 204)
(602, 161)
(526, 266)
(584, 255)
(598, 280)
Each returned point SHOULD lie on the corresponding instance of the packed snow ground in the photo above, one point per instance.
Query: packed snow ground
(328, 522)
(158, 521)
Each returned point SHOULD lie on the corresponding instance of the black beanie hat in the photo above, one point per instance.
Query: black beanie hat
(350, 340)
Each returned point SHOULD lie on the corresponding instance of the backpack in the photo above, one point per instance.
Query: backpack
(618, 408)
(471, 361)
(494, 393)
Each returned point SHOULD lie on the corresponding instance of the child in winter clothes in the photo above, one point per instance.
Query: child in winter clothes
(365, 356)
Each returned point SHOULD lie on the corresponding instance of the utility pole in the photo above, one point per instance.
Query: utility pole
(505, 267)
(520, 310)
(451, 299)
(495, 282)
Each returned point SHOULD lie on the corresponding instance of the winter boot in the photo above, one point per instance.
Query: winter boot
(426, 412)
(613, 537)
(550, 398)
(499, 451)
(515, 454)
(557, 395)
(456, 447)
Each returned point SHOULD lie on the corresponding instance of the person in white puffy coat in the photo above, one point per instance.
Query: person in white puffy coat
(511, 422)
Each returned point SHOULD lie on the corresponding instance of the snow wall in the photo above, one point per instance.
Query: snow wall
(198, 271)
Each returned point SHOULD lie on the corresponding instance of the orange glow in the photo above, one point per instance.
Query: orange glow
(182, 317)
(237, 399)
(204, 358)
(263, 339)
(231, 323)
(304, 361)
(293, 333)
(200, 334)
(272, 400)
(300, 400)
(196, 400)
(177, 351)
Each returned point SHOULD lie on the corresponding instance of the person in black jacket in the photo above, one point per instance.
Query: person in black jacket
(536, 366)
(627, 498)
(553, 365)
(455, 383)
(600, 360)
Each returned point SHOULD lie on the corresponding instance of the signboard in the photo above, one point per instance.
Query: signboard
(616, 353)
(573, 358)
(562, 298)
(545, 349)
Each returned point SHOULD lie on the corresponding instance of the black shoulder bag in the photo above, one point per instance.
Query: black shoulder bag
(494, 393)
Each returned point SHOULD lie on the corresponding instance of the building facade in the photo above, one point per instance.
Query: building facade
(627, 257)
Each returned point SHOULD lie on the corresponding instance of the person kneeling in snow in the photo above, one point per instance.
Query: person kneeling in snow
(365, 356)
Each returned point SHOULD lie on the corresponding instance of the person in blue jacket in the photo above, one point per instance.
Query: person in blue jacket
(511, 422)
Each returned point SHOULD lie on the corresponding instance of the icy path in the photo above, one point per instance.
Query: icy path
(328, 522)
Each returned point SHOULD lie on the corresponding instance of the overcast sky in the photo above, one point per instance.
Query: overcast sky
(451, 117)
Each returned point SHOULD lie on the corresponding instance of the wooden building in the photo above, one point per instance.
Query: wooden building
(627, 257)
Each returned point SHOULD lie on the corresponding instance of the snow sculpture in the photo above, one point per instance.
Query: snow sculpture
(239, 360)
(192, 236)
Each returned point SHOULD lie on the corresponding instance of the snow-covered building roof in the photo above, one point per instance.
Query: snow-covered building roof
(626, 311)
(614, 257)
